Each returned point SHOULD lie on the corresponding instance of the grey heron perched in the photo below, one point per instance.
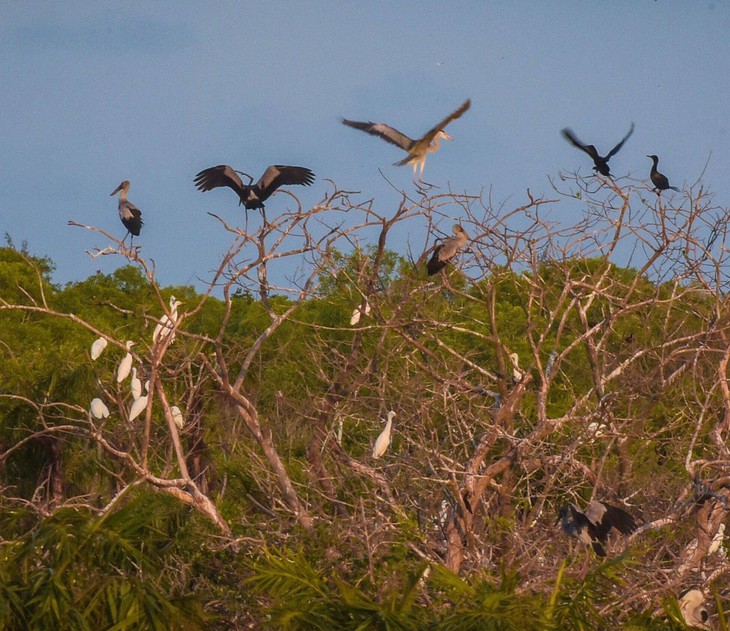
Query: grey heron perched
(447, 250)
(592, 526)
(417, 149)
(600, 163)
(252, 195)
(660, 181)
(130, 215)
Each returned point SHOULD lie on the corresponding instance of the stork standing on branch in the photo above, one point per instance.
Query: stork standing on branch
(251, 195)
(600, 163)
(130, 215)
(417, 149)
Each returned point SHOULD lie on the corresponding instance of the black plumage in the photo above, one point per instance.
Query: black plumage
(253, 195)
(593, 526)
(600, 163)
(447, 250)
(660, 181)
(130, 215)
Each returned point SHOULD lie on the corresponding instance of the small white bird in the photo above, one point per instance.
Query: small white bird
(99, 408)
(382, 442)
(167, 323)
(359, 313)
(97, 348)
(139, 405)
(177, 416)
(136, 385)
(126, 364)
(517, 374)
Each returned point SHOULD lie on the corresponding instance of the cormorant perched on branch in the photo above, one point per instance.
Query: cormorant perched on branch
(447, 250)
(660, 181)
(592, 526)
(600, 162)
(417, 149)
(253, 195)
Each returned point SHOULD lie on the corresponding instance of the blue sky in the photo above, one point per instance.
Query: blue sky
(95, 93)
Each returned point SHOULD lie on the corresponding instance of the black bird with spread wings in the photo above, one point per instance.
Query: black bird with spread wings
(253, 195)
(417, 149)
(592, 526)
(600, 163)
(660, 181)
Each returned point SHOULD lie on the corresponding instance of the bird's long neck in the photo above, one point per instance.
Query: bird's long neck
(655, 162)
(123, 195)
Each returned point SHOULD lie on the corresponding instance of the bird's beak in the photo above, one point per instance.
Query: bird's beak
(446, 136)
(115, 191)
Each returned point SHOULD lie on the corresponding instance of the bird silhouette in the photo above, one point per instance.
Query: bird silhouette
(251, 195)
(417, 149)
(600, 163)
(660, 181)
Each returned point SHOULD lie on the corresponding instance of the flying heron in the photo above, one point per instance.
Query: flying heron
(130, 215)
(447, 250)
(660, 181)
(592, 526)
(382, 441)
(417, 149)
(253, 195)
(600, 163)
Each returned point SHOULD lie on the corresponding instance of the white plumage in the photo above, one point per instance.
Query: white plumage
(97, 348)
(99, 408)
(140, 404)
(125, 366)
(136, 385)
(382, 442)
(516, 372)
(177, 416)
(359, 313)
(167, 323)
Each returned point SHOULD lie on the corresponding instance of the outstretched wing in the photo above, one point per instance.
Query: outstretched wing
(621, 144)
(573, 140)
(386, 132)
(282, 175)
(221, 175)
(453, 116)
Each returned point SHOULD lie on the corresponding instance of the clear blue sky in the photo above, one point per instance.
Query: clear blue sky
(97, 92)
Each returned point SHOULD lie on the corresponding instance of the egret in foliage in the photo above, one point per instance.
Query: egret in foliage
(361, 311)
(130, 215)
(125, 366)
(139, 405)
(382, 442)
(99, 408)
(177, 416)
(692, 606)
(600, 163)
(253, 195)
(417, 149)
(592, 526)
(97, 348)
(447, 250)
(516, 372)
(167, 323)
(135, 385)
(660, 181)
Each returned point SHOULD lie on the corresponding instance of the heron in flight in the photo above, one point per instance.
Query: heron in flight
(447, 250)
(417, 149)
(130, 215)
(253, 195)
(660, 181)
(600, 163)
(592, 526)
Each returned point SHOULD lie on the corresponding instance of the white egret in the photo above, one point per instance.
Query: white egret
(136, 385)
(140, 404)
(177, 416)
(97, 348)
(125, 366)
(516, 372)
(417, 149)
(167, 323)
(361, 311)
(382, 442)
(99, 408)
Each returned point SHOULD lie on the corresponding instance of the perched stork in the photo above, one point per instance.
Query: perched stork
(447, 250)
(382, 441)
(417, 149)
(253, 195)
(130, 215)
(600, 163)
(592, 526)
(660, 181)
(694, 612)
